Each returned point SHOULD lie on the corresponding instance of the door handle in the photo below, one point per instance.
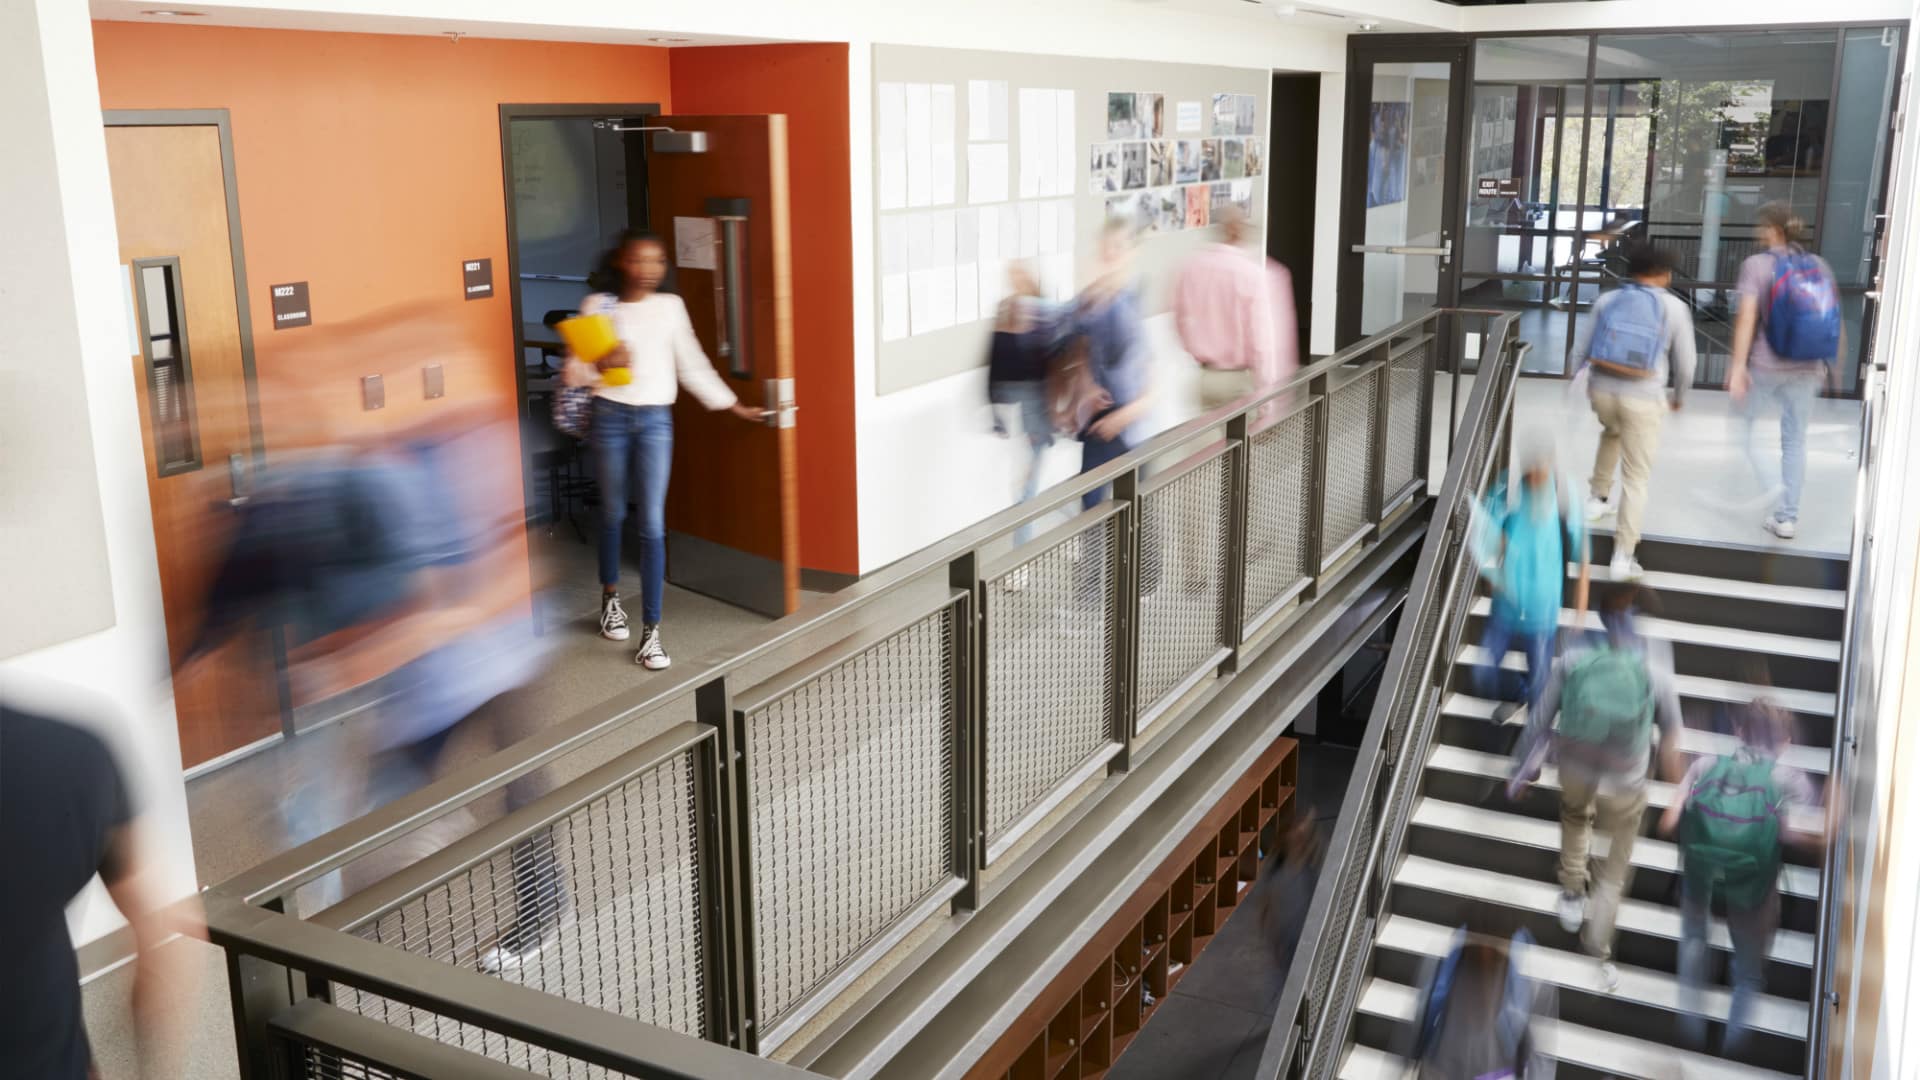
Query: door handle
(1445, 250)
(237, 480)
(779, 404)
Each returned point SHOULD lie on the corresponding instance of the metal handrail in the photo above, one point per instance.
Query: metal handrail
(248, 914)
(1301, 1024)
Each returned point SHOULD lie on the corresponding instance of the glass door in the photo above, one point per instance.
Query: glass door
(1397, 229)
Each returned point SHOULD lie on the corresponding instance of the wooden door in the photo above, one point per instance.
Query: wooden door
(732, 505)
(189, 376)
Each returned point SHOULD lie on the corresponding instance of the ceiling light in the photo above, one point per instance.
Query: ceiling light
(669, 40)
(169, 13)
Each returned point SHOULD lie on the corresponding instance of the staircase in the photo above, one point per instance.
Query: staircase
(1734, 618)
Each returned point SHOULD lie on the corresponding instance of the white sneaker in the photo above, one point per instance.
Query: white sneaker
(1573, 912)
(1609, 977)
(652, 655)
(1782, 529)
(613, 618)
(1625, 567)
(1599, 509)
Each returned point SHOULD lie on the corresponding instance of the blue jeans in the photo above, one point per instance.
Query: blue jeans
(1499, 636)
(634, 441)
(1752, 935)
(1794, 394)
(1028, 401)
(1095, 452)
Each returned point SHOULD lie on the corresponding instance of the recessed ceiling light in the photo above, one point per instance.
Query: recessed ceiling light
(669, 40)
(169, 13)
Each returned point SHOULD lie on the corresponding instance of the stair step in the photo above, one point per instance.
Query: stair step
(1660, 856)
(1660, 795)
(1758, 562)
(1813, 760)
(1731, 638)
(1571, 1044)
(1729, 588)
(1541, 897)
(1698, 687)
(1581, 973)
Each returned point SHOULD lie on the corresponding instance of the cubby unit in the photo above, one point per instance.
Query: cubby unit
(1080, 1025)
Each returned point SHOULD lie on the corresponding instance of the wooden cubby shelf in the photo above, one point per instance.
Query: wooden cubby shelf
(1077, 1028)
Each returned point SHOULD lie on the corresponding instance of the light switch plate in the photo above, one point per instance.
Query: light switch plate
(373, 392)
(435, 377)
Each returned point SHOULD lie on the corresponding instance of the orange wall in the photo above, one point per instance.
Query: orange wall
(807, 82)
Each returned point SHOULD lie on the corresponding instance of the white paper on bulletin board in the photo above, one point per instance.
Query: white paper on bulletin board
(693, 243)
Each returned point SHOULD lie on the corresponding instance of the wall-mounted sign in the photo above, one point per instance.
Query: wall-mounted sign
(693, 243)
(1497, 187)
(290, 307)
(478, 276)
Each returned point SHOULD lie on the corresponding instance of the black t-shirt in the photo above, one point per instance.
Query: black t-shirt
(61, 797)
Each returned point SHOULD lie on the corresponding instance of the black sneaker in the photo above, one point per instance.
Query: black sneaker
(613, 618)
(652, 655)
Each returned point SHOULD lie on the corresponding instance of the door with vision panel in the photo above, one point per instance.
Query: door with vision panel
(189, 375)
(733, 503)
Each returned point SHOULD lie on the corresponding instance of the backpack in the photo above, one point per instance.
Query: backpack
(1628, 333)
(1730, 831)
(1074, 396)
(1803, 309)
(1606, 709)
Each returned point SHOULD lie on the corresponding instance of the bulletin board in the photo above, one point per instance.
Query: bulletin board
(985, 157)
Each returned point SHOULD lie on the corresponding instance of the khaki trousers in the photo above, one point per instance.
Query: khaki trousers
(1219, 388)
(1629, 437)
(1584, 809)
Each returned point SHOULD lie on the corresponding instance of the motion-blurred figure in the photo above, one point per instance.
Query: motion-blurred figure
(1476, 1017)
(1293, 869)
(1106, 320)
(1024, 337)
(1233, 308)
(1732, 814)
(66, 815)
(1601, 706)
(1526, 538)
(1639, 345)
(1786, 338)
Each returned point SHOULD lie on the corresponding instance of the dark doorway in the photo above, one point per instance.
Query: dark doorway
(1295, 125)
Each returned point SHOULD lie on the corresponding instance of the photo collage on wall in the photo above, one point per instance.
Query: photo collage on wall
(1494, 112)
(1166, 166)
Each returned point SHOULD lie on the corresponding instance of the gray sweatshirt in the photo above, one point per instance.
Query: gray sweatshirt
(1675, 364)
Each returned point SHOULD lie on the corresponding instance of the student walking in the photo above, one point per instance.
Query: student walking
(1477, 1013)
(1786, 337)
(1639, 348)
(1024, 338)
(1233, 309)
(1526, 548)
(632, 426)
(1601, 706)
(1732, 814)
(1106, 320)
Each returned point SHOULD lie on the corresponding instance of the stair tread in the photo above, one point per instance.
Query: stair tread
(1808, 759)
(1540, 897)
(1603, 1051)
(1698, 687)
(1732, 588)
(1689, 633)
(1660, 795)
(1579, 972)
(1648, 854)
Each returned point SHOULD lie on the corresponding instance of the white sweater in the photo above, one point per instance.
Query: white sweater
(665, 353)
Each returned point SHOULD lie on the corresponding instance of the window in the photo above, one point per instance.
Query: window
(163, 345)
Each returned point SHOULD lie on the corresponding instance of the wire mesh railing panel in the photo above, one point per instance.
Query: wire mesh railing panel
(852, 782)
(601, 907)
(472, 1038)
(1050, 659)
(304, 1062)
(1279, 510)
(1350, 435)
(1183, 569)
(1408, 387)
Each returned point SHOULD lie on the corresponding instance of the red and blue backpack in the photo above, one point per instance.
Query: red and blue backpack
(1802, 315)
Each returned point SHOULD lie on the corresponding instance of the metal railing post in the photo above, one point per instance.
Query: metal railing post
(1126, 620)
(259, 990)
(1233, 589)
(1322, 412)
(732, 814)
(1377, 450)
(969, 676)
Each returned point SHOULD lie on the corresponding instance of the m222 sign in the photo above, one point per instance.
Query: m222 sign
(477, 276)
(290, 307)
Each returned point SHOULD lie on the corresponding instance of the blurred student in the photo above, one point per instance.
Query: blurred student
(1529, 537)
(1639, 344)
(1476, 1016)
(66, 816)
(1732, 814)
(632, 426)
(1786, 338)
(1293, 869)
(1601, 707)
(1233, 309)
(1023, 340)
(1106, 322)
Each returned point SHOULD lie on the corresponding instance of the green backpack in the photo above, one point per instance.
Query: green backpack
(1730, 832)
(1606, 710)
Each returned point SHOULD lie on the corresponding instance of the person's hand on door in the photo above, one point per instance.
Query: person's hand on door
(751, 413)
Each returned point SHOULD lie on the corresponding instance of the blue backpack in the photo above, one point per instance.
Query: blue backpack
(1628, 332)
(1803, 309)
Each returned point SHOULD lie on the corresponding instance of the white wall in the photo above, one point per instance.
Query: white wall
(57, 171)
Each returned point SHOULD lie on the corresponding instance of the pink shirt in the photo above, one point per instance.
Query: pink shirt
(1233, 313)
